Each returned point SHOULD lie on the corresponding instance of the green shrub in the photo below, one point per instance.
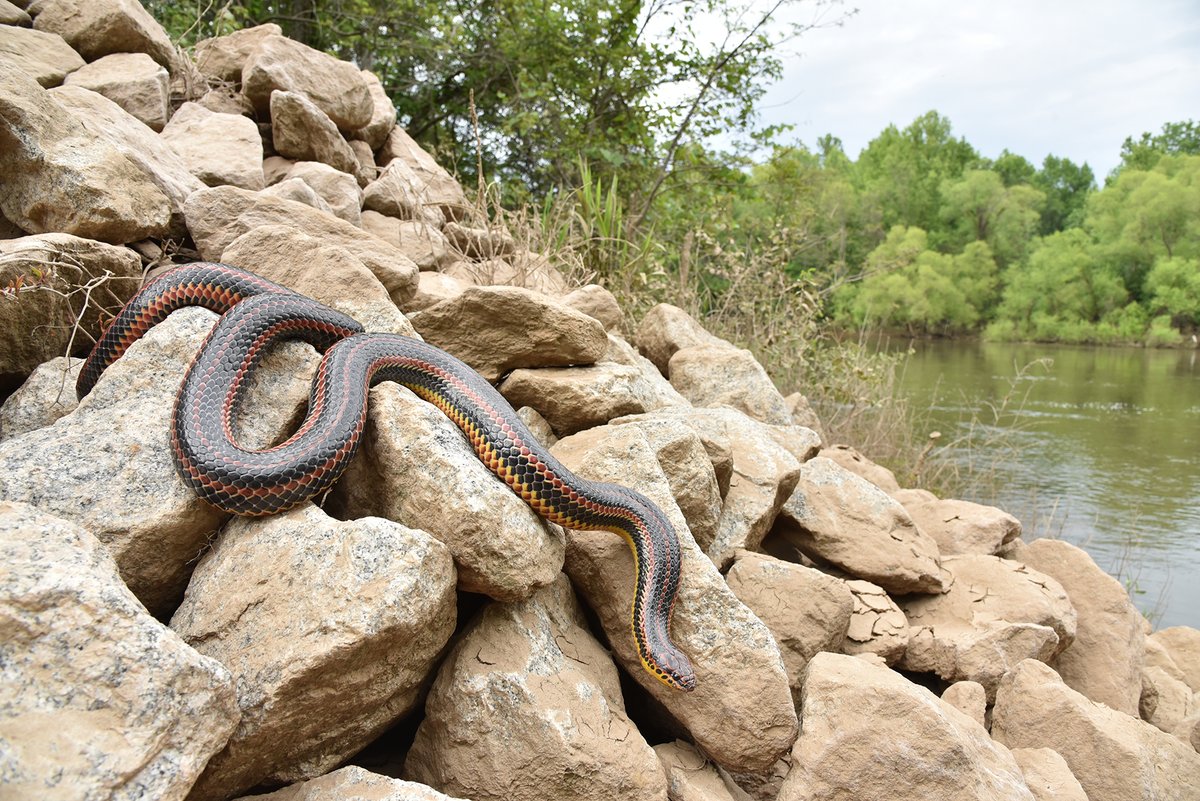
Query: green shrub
(1161, 334)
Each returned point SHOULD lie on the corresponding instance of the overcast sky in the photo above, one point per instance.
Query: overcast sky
(1068, 77)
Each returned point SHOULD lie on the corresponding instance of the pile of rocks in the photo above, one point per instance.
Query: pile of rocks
(422, 622)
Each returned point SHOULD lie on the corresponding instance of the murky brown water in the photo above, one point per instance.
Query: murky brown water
(1100, 447)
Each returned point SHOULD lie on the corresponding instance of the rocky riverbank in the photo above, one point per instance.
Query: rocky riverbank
(421, 633)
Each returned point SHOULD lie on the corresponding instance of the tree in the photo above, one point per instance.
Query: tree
(621, 85)
(809, 198)
(1173, 288)
(920, 290)
(1145, 215)
(1175, 139)
(833, 153)
(1014, 169)
(901, 171)
(978, 207)
(1066, 186)
(1062, 291)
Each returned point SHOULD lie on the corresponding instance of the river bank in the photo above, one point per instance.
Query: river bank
(1094, 445)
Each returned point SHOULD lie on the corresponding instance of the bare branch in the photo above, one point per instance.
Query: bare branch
(673, 148)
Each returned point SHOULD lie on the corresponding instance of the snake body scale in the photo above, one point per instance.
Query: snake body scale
(256, 313)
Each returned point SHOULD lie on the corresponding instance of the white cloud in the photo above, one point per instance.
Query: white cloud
(1068, 77)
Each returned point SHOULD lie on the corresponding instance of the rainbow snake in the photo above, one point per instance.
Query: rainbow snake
(257, 313)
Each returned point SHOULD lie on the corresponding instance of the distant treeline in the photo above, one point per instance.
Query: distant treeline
(922, 234)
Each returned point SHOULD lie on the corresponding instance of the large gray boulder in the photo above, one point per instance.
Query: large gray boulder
(62, 281)
(870, 734)
(133, 81)
(1114, 756)
(97, 28)
(45, 57)
(220, 149)
(97, 698)
(1105, 660)
(842, 519)
(56, 176)
(158, 160)
(528, 706)
(336, 87)
(330, 629)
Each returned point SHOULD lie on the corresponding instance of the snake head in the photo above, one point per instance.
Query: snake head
(685, 680)
(672, 668)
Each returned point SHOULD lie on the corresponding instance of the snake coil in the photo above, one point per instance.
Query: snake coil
(256, 313)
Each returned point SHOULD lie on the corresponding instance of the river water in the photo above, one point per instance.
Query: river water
(1096, 446)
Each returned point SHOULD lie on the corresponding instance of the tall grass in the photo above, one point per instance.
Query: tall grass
(586, 231)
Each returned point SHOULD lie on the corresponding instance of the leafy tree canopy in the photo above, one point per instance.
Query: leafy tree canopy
(1066, 186)
(797, 193)
(619, 85)
(902, 171)
(1062, 284)
(1144, 215)
(979, 207)
(1014, 169)
(1175, 139)
(909, 286)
